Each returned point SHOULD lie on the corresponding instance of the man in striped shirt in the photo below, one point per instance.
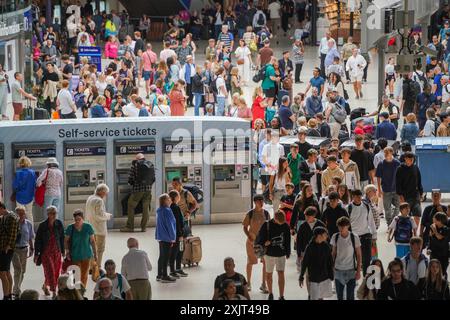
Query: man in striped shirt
(226, 37)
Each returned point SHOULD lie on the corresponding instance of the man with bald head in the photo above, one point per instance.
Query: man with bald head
(141, 178)
(135, 268)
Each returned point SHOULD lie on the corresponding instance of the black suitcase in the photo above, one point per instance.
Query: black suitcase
(41, 114)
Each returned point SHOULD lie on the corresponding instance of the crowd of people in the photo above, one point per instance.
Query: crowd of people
(328, 201)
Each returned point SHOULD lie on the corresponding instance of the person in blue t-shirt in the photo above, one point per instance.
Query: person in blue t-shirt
(24, 186)
(98, 111)
(143, 112)
(287, 118)
(316, 82)
(80, 244)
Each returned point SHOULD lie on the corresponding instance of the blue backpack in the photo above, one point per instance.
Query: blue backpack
(404, 230)
(79, 100)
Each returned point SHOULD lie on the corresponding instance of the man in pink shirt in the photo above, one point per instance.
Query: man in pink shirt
(148, 61)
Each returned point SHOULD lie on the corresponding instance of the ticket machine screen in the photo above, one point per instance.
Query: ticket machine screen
(174, 174)
(78, 178)
(224, 173)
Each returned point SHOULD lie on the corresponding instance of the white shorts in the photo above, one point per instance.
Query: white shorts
(320, 290)
(357, 78)
(272, 262)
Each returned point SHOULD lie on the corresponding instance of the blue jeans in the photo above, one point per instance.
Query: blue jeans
(220, 111)
(345, 278)
(241, 33)
(197, 103)
(217, 30)
(52, 201)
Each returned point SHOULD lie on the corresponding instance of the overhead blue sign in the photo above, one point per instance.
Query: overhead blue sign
(94, 55)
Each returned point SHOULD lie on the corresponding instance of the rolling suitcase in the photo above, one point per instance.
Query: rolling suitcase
(41, 114)
(192, 251)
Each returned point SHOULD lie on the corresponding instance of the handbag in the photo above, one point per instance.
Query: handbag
(39, 261)
(269, 114)
(240, 62)
(346, 96)
(260, 250)
(253, 47)
(39, 194)
(95, 272)
(56, 115)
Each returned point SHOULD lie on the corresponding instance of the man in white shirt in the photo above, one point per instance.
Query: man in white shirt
(97, 216)
(323, 51)
(130, 110)
(347, 259)
(271, 154)
(275, 18)
(120, 286)
(363, 225)
(355, 66)
(65, 102)
(161, 109)
(135, 268)
(166, 52)
(222, 92)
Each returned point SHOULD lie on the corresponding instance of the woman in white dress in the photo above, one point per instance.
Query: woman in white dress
(244, 61)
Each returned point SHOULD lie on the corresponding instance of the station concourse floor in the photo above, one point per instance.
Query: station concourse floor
(220, 241)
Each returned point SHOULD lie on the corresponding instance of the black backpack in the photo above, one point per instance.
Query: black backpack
(261, 19)
(145, 173)
(196, 192)
(260, 75)
(414, 90)
(437, 123)
(266, 214)
(421, 78)
(213, 86)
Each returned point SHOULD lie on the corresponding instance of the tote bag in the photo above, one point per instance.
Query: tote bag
(40, 192)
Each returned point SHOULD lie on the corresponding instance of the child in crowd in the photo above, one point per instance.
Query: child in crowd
(287, 201)
(402, 229)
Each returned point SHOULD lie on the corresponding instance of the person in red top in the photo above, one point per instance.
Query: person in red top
(359, 129)
(259, 105)
(177, 99)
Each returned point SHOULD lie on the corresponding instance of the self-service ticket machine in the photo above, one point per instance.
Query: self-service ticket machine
(125, 152)
(84, 169)
(1, 172)
(38, 154)
(183, 158)
(230, 179)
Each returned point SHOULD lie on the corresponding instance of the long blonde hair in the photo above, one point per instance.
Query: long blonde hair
(256, 92)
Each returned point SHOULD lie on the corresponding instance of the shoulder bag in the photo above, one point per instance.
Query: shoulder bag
(39, 194)
(260, 249)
